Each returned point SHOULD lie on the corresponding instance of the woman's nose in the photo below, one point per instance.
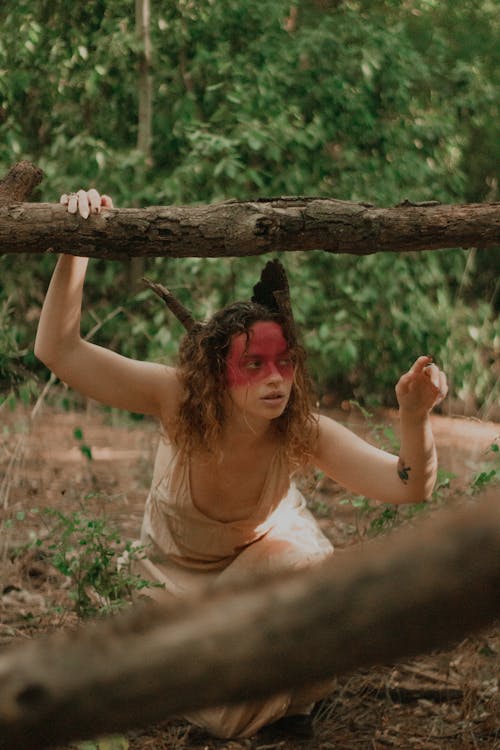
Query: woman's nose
(273, 372)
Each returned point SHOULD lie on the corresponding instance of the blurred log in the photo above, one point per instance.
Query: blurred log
(417, 590)
(242, 228)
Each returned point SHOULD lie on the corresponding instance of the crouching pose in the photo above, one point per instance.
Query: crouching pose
(237, 424)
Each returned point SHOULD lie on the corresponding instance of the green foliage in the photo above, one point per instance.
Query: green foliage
(361, 101)
(487, 476)
(91, 554)
(85, 449)
(354, 103)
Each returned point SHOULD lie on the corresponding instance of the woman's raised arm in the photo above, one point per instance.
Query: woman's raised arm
(94, 371)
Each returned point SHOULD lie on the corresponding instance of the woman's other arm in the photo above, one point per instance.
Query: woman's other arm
(366, 470)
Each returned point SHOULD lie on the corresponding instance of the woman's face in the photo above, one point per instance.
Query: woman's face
(260, 370)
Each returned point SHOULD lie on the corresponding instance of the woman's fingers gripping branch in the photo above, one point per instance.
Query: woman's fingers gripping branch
(85, 202)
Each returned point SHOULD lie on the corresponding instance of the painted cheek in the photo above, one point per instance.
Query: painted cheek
(286, 371)
(236, 374)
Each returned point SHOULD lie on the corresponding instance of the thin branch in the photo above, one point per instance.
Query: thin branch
(174, 305)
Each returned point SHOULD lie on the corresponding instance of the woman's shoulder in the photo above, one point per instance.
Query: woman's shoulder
(170, 396)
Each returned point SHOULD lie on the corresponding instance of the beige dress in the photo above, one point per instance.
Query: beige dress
(188, 551)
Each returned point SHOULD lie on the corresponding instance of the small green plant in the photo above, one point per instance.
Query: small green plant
(486, 477)
(482, 480)
(385, 520)
(381, 518)
(91, 554)
(443, 485)
(85, 449)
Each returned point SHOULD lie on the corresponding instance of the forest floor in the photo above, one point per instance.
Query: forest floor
(66, 460)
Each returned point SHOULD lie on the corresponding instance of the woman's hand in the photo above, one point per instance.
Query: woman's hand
(86, 202)
(422, 387)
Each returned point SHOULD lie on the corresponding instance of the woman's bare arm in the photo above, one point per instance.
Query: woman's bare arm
(94, 371)
(366, 470)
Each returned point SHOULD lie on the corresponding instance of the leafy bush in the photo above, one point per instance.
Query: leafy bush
(378, 101)
(92, 555)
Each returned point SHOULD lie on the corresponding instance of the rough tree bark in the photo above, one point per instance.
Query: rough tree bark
(416, 591)
(234, 228)
(20, 182)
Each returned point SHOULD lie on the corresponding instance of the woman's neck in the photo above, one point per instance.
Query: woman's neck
(241, 432)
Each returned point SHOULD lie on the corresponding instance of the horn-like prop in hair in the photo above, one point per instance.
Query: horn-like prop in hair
(174, 305)
(273, 292)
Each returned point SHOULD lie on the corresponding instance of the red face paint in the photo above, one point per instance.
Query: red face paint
(262, 355)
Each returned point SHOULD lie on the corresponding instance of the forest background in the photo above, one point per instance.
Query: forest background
(375, 101)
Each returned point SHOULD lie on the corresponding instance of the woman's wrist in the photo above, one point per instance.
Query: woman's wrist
(416, 415)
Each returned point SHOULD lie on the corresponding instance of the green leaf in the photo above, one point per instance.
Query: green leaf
(78, 433)
(87, 452)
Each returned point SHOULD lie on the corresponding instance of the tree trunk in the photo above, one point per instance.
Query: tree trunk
(144, 120)
(242, 228)
(145, 84)
(413, 592)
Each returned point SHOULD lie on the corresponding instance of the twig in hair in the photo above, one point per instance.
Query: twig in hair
(174, 305)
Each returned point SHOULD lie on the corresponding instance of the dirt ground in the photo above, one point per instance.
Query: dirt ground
(448, 699)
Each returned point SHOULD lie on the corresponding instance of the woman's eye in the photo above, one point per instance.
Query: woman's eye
(285, 363)
(254, 364)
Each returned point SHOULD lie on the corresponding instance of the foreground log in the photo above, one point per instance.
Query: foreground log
(234, 228)
(418, 590)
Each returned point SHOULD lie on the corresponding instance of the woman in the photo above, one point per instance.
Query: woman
(237, 423)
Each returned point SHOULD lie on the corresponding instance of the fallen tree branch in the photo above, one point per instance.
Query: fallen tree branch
(235, 228)
(415, 591)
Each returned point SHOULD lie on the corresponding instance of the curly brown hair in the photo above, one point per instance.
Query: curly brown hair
(202, 371)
